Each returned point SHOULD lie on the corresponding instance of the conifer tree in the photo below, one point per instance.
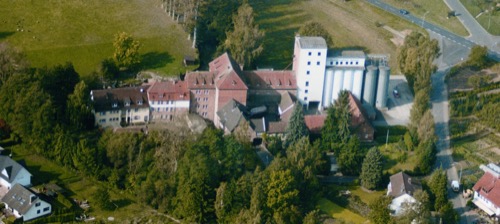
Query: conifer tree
(371, 172)
(296, 128)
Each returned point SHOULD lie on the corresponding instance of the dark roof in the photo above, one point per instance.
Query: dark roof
(20, 199)
(258, 124)
(231, 114)
(11, 167)
(401, 183)
(170, 90)
(286, 102)
(489, 187)
(105, 99)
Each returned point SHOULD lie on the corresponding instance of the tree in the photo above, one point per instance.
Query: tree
(448, 214)
(420, 106)
(296, 128)
(79, 108)
(102, 199)
(335, 133)
(126, 51)
(350, 157)
(417, 212)
(245, 40)
(415, 60)
(316, 29)
(477, 81)
(12, 61)
(371, 171)
(108, 69)
(313, 217)
(478, 57)
(425, 157)
(437, 185)
(282, 195)
(379, 210)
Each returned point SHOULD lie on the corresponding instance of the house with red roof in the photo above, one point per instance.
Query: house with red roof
(168, 100)
(487, 190)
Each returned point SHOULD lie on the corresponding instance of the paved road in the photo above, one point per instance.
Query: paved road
(494, 53)
(478, 34)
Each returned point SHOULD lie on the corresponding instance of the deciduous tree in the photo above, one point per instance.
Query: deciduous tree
(245, 40)
(126, 51)
(478, 57)
(379, 211)
(11, 61)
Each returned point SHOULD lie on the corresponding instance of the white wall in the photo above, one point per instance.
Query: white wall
(398, 202)
(32, 213)
(23, 177)
(310, 86)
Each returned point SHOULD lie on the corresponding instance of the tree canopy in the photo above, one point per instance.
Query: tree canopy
(126, 53)
(245, 40)
(371, 171)
(478, 57)
(12, 61)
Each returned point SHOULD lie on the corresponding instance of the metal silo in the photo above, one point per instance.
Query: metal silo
(338, 82)
(383, 85)
(348, 79)
(328, 88)
(370, 85)
(357, 85)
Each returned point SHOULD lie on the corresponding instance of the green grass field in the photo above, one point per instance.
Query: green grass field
(338, 212)
(437, 11)
(489, 19)
(52, 32)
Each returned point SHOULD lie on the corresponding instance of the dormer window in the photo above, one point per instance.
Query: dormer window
(139, 102)
(127, 104)
(114, 105)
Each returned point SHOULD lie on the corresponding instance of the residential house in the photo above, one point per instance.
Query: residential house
(401, 188)
(487, 190)
(13, 173)
(25, 204)
(113, 107)
(360, 125)
(168, 100)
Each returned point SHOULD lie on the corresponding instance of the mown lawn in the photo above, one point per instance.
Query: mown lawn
(356, 190)
(52, 32)
(437, 11)
(338, 212)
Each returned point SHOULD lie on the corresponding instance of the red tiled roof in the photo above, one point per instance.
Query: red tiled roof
(223, 63)
(170, 90)
(277, 127)
(271, 79)
(489, 187)
(359, 120)
(230, 80)
(200, 80)
(315, 122)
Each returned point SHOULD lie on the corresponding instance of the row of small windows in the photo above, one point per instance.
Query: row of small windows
(200, 91)
(310, 53)
(341, 63)
(309, 63)
(166, 109)
(202, 106)
(199, 99)
(102, 113)
(161, 102)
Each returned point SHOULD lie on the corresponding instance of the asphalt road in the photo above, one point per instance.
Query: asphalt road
(436, 29)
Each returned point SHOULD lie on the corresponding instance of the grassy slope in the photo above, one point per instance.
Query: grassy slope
(82, 32)
(351, 24)
(438, 11)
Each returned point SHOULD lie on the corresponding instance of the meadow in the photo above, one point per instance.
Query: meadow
(82, 32)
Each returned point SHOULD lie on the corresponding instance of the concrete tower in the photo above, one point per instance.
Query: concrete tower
(309, 63)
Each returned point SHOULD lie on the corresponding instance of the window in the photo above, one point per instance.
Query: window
(305, 98)
(308, 72)
(306, 91)
(356, 62)
(205, 99)
(198, 91)
(336, 63)
(310, 53)
(307, 83)
(115, 105)
(331, 63)
(137, 117)
(46, 209)
(136, 110)
(38, 204)
(317, 63)
(308, 63)
(139, 102)
(102, 121)
(319, 53)
(38, 211)
(206, 91)
(103, 113)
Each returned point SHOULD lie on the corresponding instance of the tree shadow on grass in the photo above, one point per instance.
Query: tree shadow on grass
(39, 177)
(5, 34)
(122, 202)
(152, 60)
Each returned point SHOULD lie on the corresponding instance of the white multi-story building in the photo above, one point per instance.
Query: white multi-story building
(321, 75)
(309, 64)
(487, 190)
(168, 100)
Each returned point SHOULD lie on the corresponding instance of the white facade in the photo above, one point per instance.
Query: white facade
(309, 65)
(37, 210)
(112, 118)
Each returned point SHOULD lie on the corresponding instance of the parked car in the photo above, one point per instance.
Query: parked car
(395, 93)
(404, 12)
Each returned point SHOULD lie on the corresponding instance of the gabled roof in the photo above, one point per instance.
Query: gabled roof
(200, 80)
(169, 90)
(401, 184)
(489, 186)
(286, 103)
(105, 99)
(279, 80)
(20, 199)
(11, 167)
(230, 80)
(315, 122)
(231, 114)
(258, 124)
(223, 63)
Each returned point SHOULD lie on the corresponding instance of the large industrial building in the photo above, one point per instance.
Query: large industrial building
(321, 74)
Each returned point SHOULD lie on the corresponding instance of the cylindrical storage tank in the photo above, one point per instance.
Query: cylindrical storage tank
(370, 85)
(383, 85)
(357, 85)
(348, 79)
(328, 88)
(338, 82)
